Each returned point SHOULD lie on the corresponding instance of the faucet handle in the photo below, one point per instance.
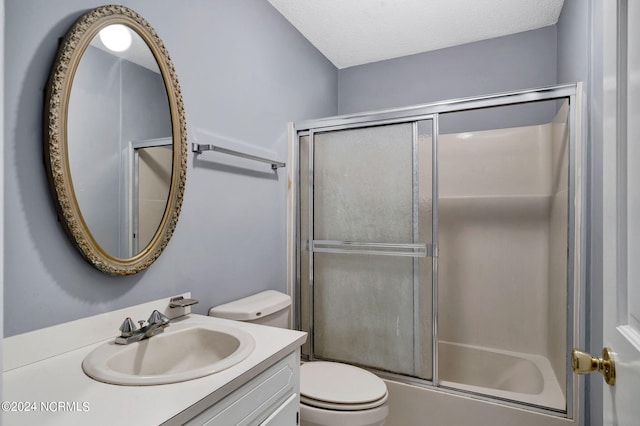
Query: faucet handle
(157, 317)
(127, 328)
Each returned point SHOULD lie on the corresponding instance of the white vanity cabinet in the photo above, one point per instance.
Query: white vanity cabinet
(262, 389)
(270, 399)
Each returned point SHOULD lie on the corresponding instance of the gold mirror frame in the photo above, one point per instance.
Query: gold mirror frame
(58, 92)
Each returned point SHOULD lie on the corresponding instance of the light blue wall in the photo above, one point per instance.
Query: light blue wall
(573, 42)
(580, 58)
(145, 107)
(518, 61)
(244, 73)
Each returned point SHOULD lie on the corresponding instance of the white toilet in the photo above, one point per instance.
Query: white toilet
(331, 393)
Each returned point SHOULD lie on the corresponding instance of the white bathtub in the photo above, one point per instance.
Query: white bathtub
(503, 374)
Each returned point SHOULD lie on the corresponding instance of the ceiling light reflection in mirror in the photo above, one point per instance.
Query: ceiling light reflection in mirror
(116, 38)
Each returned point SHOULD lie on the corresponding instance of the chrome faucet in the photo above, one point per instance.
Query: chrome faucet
(156, 324)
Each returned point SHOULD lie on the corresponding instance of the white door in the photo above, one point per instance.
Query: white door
(621, 208)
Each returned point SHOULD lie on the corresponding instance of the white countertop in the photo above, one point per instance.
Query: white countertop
(58, 384)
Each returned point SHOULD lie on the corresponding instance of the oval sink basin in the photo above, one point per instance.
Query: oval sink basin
(183, 352)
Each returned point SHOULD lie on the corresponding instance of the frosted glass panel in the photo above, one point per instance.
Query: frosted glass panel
(363, 185)
(364, 310)
(370, 185)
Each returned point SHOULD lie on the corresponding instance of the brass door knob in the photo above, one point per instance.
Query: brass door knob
(584, 363)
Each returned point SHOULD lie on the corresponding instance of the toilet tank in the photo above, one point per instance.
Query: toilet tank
(268, 308)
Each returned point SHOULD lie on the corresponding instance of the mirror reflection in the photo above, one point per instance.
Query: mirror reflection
(120, 141)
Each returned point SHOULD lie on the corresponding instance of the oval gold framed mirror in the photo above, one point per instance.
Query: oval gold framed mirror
(115, 140)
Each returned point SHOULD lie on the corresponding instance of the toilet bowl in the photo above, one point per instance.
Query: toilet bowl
(331, 393)
(340, 394)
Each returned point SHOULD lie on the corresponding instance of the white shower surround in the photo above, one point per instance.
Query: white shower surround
(503, 239)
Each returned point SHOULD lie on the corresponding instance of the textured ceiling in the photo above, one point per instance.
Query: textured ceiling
(355, 32)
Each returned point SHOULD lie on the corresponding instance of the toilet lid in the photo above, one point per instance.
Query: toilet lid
(332, 383)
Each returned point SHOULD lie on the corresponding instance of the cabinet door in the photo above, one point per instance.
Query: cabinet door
(259, 401)
(285, 415)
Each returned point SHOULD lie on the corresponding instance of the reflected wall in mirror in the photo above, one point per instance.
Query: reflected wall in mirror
(115, 140)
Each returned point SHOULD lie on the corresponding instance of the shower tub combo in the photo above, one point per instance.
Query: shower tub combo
(437, 246)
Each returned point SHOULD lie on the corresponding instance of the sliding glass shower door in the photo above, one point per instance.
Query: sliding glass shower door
(366, 232)
(438, 244)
